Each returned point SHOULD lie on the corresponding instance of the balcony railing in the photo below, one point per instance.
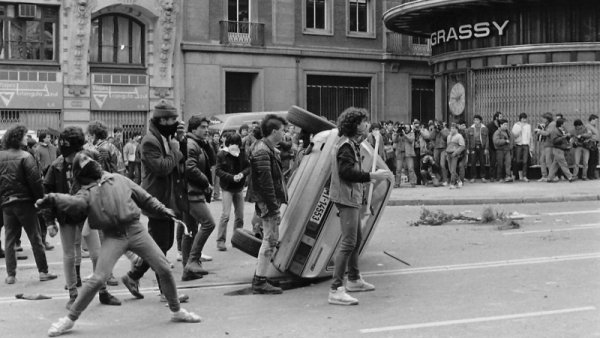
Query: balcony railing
(242, 33)
(399, 44)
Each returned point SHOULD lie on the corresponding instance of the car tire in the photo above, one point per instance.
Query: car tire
(245, 241)
(307, 121)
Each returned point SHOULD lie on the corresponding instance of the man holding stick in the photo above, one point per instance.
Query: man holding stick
(346, 190)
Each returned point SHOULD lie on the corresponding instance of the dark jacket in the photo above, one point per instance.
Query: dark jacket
(77, 205)
(267, 183)
(503, 140)
(229, 166)
(45, 154)
(491, 128)
(109, 156)
(197, 169)
(20, 179)
(162, 171)
(56, 181)
(484, 137)
(347, 176)
(559, 139)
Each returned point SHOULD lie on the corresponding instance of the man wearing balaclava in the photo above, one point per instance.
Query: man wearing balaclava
(163, 163)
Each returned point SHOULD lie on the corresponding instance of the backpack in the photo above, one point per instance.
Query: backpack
(110, 204)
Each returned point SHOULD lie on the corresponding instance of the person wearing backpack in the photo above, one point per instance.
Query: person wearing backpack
(112, 203)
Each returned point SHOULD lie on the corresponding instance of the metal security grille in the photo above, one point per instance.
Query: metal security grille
(132, 122)
(328, 96)
(573, 90)
(38, 120)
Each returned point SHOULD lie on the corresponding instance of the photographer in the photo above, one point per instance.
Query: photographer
(543, 132)
(400, 152)
(408, 136)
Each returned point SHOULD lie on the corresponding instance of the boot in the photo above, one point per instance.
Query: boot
(260, 285)
(107, 299)
(195, 266)
(72, 297)
(78, 272)
(189, 275)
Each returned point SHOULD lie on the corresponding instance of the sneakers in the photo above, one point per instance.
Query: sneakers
(445, 184)
(261, 286)
(472, 180)
(10, 280)
(107, 299)
(183, 316)
(508, 179)
(63, 325)
(359, 285)
(112, 281)
(452, 186)
(195, 267)
(460, 184)
(48, 246)
(483, 180)
(188, 276)
(183, 298)
(221, 246)
(46, 276)
(543, 179)
(205, 258)
(132, 285)
(340, 297)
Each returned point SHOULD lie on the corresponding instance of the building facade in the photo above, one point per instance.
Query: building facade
(66, 62)
(325, 55)
(531, 56)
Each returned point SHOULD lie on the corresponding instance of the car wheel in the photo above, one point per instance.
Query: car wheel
(245, 240)
(309, 122)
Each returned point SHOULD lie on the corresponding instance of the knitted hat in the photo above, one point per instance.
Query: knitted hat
(164, 109)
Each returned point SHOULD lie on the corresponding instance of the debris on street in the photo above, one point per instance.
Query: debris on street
(488, 216)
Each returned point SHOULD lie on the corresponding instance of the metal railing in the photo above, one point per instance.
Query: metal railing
(399, 44)
(242, 33)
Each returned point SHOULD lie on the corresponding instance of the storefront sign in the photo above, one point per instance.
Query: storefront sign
(465, 32)
(31, 95)
(119, 98)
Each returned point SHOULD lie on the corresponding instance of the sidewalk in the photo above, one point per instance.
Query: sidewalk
(497, 193)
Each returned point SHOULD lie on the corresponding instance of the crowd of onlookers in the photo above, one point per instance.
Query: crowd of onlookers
(439, 154)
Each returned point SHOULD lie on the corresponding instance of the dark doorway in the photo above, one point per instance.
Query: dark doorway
(238, 92)
(423, 100)
(328, 96)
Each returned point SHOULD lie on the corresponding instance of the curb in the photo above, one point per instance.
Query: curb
(507, 200)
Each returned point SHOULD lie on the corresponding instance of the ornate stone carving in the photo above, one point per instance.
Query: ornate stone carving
(81, 10)
(162, 92)
(77, 90)
(166, 22)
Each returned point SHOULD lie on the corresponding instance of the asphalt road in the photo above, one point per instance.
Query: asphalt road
(465, 280)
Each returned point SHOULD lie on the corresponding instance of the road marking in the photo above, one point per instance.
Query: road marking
(576, 227)
(478, 320)
(484, 265)
(595, 211)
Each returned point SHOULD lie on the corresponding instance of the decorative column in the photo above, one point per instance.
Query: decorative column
(161, 80)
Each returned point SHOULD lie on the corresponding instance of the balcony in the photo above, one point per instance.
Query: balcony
(242, 33)
(405, 45)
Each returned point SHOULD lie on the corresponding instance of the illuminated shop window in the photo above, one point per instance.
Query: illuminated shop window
(318, 16)
(117, 39)
(28, 32)
(361, 18)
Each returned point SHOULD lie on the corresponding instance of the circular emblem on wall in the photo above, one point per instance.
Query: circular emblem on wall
(456, 99)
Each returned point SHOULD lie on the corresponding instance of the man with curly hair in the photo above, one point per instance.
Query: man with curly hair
(20, 187)
(346, 190)
(109, 154)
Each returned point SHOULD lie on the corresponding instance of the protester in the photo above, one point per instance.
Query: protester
(478, 149)
(582, 143)
(464, 159)
(129, 151)
(45, 152)
(560, 145)
(198, 163)
(491, 128)
(232, 169)
(109, 154)
(439, 135)
(503, 142)
(119, 237)
(543, 132)
(400, 154)
(455, 150)
(408, 136)
(59, 179)
(267, 189)
(592, 126)
(162, 176)
(523, 145)
(346, 190)
(430, 170)
(20, 187)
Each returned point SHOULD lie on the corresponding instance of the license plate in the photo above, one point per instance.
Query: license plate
(320, 209)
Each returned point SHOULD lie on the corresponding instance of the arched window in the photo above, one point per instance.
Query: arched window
(117, 39)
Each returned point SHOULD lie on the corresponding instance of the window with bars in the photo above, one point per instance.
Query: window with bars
(28, 32)
(329, 96)
(117, 39)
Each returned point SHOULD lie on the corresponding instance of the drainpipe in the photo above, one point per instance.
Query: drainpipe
(298, 81)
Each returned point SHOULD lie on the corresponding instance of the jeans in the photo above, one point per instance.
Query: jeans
(592, 163)
(558, 162)
(191, 247)
(216, 183)
(237, 200)
(399, 166)
(17, 215)
(477, 155)
(493, 161)
(347, 257)
(269, 241)
(410, 165)
(503, 161)
(70, 237)
(581, 153)
(546, 161)
(462, 166)
(453, 164)
(135, 238)
(163, 233)
(441, 157)
(522, 158)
